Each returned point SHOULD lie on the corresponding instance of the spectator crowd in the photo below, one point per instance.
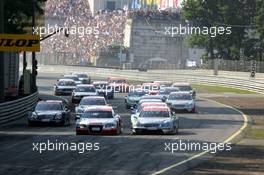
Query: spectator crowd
(106, 27)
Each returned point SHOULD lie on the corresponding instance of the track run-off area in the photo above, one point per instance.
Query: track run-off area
(213, 123)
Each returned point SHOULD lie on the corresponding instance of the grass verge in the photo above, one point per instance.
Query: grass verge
(219, 89)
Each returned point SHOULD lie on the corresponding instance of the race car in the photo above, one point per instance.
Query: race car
(119, 84)
(185, 87)
(50, 111)
(83, 90)
(104, 89)
(64, 87)
(89, 101)
(155, 118)
(133, 98)
(165, 91)
(181, 101)
(84, 78)
(73, 77)
(99, 120)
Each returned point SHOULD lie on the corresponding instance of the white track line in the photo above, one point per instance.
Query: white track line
(229, 139)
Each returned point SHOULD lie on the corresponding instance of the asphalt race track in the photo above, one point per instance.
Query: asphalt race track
(123, 154)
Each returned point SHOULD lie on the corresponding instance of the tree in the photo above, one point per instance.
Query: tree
(237, 14)
(18, 14)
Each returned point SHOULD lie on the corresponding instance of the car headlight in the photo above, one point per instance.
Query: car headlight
(138, 124)
(34, 115)
(58, 116)
(110, 125)
(189, 105)
(166, 124)
(79, 110)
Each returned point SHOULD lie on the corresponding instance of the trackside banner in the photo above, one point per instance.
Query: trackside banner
(17, 43)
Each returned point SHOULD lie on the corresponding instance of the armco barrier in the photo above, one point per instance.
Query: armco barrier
(240, 80)
(18, 108)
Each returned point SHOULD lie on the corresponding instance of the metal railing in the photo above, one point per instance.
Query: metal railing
(18, 108)
(239, 80)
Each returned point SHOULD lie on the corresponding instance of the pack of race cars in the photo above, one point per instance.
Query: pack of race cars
(153, 105)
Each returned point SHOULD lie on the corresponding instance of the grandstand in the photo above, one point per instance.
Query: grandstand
(132, 28)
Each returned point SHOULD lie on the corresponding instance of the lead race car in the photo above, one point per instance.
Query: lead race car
(155, 118)
(99, 120)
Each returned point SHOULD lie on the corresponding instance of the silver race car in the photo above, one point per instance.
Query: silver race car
(155, 118)
(83, 90)
(185, 87)
(99, 120)
(104, 89)
(181, 101)
(51, 111)
(89, 101)
(84, 78)
(64, 87)
(73, 77)
(133, 98)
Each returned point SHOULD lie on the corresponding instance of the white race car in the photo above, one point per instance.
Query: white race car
(64, 87)
(155, 118)
(73, 77)
(181, 101)
(185, 87)
(89, 101)
(83, 90)
(99, 120)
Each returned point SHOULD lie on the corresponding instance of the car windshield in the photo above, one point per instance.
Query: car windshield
(180, 97)
(66, 83)
(184, 88)
(98, 114)
(85, 89)
(92, 102)
(136, 94)
(155, 114)
(48, 107)
(82, 76)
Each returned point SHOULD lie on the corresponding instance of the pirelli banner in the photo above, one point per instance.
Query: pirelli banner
(17, 43)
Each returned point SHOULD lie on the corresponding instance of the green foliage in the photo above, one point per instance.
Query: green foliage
(238, 14)
(18, 14)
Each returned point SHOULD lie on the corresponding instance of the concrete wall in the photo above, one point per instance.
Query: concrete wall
(148, 41)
